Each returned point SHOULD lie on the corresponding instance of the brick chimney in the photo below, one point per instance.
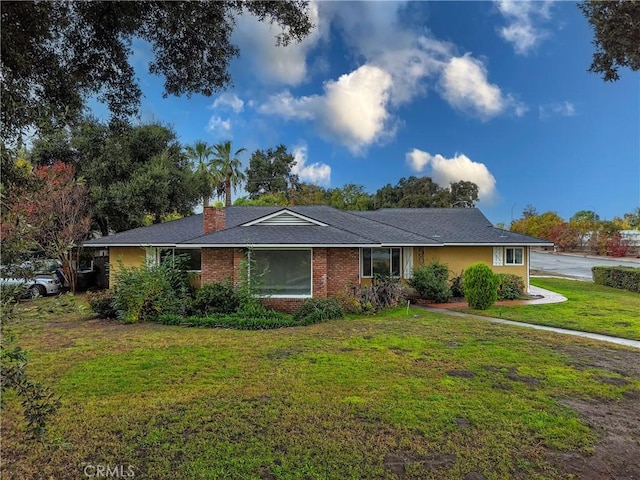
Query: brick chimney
(213, 219)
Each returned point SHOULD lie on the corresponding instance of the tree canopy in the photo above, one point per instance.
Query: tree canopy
(616, 28)
(228, 165)
(206, 178)
(423, 192)
(130, 172)
(269, 172)
(56, 54)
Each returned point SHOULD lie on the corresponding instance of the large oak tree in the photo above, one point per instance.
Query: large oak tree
(56, 54)
(616, 28)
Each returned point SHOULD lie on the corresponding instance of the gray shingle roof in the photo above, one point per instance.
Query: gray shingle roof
(448, 225)
(396, 226)
(175, 231)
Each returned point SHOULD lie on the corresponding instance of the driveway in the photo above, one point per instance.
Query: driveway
(574, 266)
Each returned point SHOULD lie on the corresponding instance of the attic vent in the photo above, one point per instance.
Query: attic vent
(285, 217)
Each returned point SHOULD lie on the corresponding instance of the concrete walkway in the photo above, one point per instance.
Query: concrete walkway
(546, 296)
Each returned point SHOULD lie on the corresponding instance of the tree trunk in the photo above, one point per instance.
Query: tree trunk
(227, 191)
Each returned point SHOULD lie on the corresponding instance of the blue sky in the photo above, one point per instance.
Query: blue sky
(492, 92)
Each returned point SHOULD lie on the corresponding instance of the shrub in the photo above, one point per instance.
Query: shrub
(101, 303)
(240, 321)
(143, 293)
(480, 286)
(457, 286)
(616, 247)
(216, 298)
(431, 282)
(386, 292)
(315, 310)
(11, 293)
(510, 287)
(383, 292)
(624, 278)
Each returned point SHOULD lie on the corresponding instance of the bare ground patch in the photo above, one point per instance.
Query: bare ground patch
(617, 453)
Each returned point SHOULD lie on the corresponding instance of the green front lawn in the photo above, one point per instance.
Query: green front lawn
(589, 308)
(413, 396)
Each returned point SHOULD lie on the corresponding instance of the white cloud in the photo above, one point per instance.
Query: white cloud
(376, 34)
(465, 86)
(219, 127)
(316, 173)
(228, 100)
(444, 171)
(521, 29)
(560, 109)
(352, 110)
(396, 65)
(284, 104)
(284, 65)
(356, 107)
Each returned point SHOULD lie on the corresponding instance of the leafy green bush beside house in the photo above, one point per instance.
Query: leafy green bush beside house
(316, 310)
(510, 286)
(480, 286)
(432, 282)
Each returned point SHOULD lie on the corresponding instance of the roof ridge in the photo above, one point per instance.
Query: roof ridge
(352, 212)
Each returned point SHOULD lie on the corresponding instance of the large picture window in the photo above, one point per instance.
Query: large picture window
(193, 257)
(514, 256)
(282, 273)
(381, 261)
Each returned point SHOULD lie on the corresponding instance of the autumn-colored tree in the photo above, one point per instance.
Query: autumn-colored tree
(51, 213)
(565, 236)
(537, 225)
(616, 246)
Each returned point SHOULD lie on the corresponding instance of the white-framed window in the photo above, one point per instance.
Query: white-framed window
(514, 256)
(381, 261)
(282, 273)
(193, 257)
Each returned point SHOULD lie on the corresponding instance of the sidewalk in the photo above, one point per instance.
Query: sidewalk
(541, 295)
(546, 296)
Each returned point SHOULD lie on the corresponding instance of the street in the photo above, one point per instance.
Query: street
(575, 266)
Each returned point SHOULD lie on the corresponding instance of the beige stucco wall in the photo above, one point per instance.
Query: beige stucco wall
(129, 256)
(459, 258)
(135, 257)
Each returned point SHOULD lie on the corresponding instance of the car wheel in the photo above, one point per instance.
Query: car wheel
(36, 291)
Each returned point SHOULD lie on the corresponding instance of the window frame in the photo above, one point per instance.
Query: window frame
(514, 262)
(277, 295)
(159, 250)
(371, 259)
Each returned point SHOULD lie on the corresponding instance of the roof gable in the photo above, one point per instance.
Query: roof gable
(285, 218)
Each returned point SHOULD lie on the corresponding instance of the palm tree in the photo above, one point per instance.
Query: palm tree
(200, 154)
(229, 166)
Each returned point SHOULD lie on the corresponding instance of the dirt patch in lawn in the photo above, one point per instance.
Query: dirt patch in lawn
(396, 463)
(616, 454)
(617, 421)
(622, 362)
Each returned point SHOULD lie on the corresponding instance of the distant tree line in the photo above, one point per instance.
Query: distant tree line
(134, 175)
(584, 231)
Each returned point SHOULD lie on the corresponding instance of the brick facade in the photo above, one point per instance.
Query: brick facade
(219, 264)
(343, 270)
(334, 271)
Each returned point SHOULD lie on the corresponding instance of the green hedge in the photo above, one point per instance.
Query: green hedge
(240, 321)
(624, 278)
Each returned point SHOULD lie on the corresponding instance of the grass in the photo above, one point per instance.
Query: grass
(589, 308)
(419, 395)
